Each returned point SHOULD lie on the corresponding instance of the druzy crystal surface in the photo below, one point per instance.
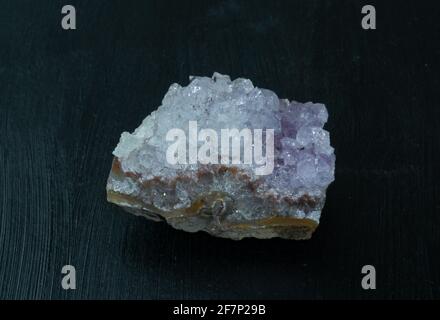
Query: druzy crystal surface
(227, 200)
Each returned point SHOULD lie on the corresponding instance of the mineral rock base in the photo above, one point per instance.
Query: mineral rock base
(209, 211)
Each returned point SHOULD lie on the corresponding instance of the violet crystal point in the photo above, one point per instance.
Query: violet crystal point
(178, 167)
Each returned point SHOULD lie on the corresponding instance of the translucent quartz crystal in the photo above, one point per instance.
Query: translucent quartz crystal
(227, 200)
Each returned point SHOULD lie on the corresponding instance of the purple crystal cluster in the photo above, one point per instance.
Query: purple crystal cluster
(308, 160)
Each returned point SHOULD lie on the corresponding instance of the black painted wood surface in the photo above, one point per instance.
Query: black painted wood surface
(66, 96)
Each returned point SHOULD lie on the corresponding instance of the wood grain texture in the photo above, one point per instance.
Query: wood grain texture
(65, 97)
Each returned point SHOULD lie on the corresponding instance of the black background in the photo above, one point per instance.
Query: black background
(65, 97)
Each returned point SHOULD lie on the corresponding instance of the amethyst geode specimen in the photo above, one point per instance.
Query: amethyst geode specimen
(225, 199)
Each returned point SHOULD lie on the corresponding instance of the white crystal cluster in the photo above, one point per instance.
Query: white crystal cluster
(304, 159)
